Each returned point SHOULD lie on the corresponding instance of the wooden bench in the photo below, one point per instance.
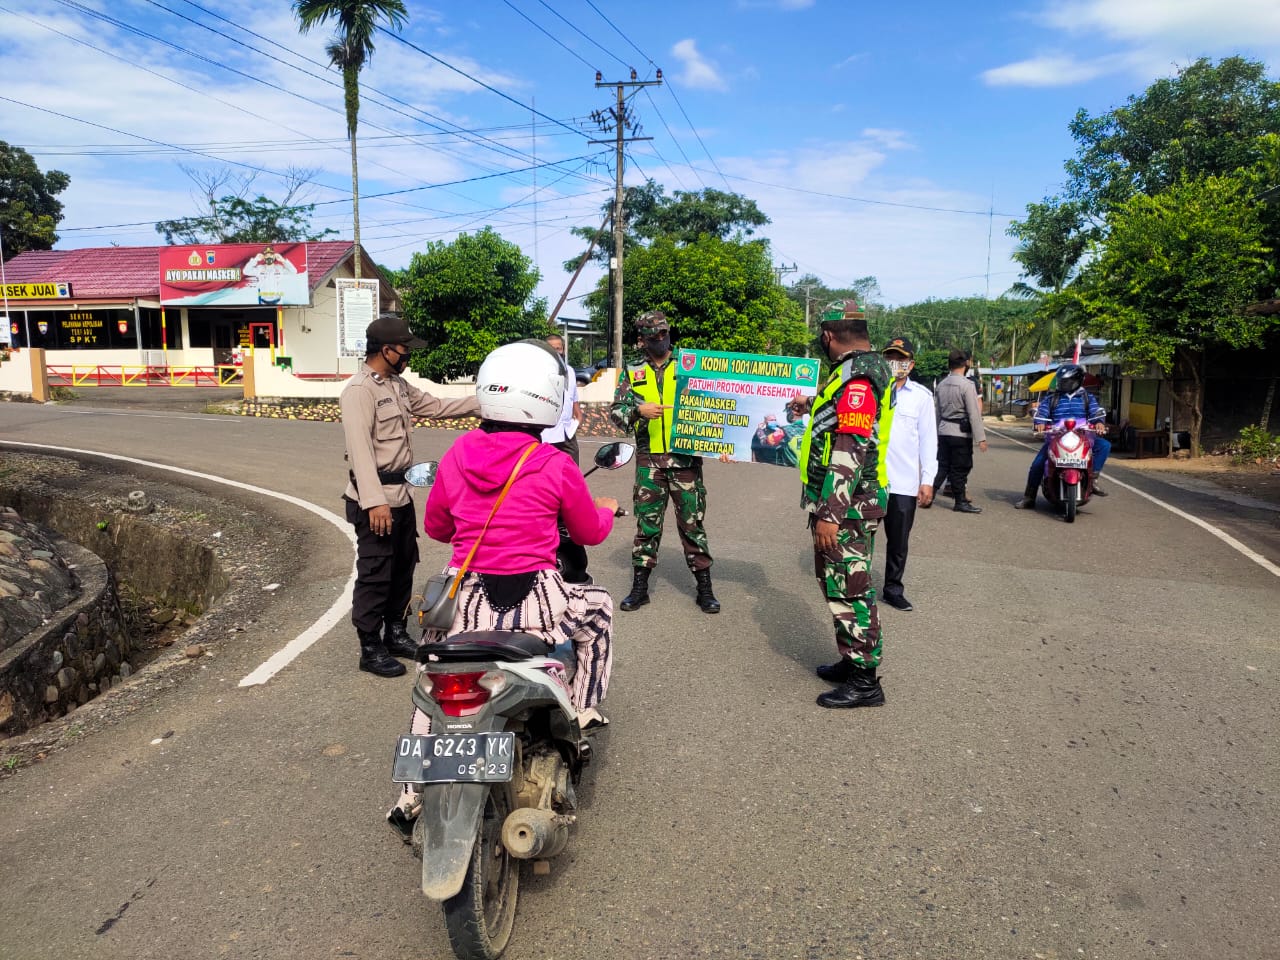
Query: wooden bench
(1150, 443)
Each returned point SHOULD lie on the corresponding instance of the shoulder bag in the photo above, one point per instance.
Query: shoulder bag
(440, 592)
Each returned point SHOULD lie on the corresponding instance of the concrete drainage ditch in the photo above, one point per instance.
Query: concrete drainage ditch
(65, 636)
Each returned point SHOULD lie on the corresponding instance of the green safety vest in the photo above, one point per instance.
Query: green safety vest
(837, 380)
(645, 386)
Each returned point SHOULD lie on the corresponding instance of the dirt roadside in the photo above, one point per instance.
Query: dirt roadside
(176, 643)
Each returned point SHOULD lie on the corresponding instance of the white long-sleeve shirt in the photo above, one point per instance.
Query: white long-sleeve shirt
(912, 457)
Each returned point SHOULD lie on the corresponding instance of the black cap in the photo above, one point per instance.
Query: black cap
(392, 328)
(900, 345)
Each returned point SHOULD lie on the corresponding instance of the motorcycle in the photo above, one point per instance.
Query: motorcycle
(495, 774)
(1068, 471)
(571, 558)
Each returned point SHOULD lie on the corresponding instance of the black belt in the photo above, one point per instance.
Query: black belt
(390, 479)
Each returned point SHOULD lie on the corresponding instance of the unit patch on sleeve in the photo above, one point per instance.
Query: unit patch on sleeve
(856, 410)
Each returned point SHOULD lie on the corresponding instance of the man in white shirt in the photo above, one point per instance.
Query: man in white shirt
(573, 557)
(911, 460)
(564, 434)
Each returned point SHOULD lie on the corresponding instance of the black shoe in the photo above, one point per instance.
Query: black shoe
(836, 672)
(861, 690)
(401, 823)
(1028, 502)
(1098, 491)
(398, 641)
(966, 506)
(375, 659)
(706, 600)
(899, 603)
(639, 594)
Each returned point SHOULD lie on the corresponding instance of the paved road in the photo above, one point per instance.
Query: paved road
(1077, 758)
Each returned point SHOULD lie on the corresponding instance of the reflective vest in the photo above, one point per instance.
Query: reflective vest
(887, 405)
(645, 386)
(814, 461)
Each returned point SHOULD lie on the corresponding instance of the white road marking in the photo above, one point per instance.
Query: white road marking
(283, 657)
(1222, 535)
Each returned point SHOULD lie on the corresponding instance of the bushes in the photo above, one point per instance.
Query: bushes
(1255, 445)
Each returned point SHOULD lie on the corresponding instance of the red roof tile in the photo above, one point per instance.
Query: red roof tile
(127, 272)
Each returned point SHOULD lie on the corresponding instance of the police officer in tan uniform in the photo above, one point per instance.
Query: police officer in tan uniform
(378, 408)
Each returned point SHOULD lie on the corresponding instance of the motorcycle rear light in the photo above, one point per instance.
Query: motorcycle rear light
(459, 694)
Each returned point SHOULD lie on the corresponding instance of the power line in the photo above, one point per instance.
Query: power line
(881, 203)
(620, 33)
(537, 26)
(576, 29)
(687, 162)
(492, 89)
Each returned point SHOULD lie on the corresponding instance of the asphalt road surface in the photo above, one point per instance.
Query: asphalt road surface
(1077, 758)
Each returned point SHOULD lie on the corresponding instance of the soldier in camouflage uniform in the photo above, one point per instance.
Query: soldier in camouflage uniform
(845, 493)
(643, 403)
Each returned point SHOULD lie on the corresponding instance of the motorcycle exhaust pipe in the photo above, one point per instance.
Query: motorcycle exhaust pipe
(531, 832)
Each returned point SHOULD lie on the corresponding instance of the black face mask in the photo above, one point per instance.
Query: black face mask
(821, 342)
(397, 365)
(658, 348)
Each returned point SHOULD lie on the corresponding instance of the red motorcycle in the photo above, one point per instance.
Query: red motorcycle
(1068, 471)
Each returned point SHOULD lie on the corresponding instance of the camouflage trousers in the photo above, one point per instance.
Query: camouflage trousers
(654, 487)
(845, 578)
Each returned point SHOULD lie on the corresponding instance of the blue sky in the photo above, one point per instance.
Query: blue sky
(876, 136)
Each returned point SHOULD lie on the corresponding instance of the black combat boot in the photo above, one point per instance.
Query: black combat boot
(1028, 501)
(706, 600)
(836, 672)
(639, 594)
(374, 657)
(862, 689)
(399, 642)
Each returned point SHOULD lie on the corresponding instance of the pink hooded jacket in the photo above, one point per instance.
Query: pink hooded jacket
(523, 535)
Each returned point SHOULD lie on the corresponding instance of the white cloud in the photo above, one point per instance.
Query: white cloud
(1200, 22)
(1047, 71)
(889, 139)
(1144, 37)
(699, 72)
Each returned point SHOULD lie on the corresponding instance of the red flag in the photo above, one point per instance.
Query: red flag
(1076, 357)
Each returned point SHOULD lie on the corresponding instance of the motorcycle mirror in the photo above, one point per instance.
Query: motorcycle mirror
(611, 456)
(422, 474)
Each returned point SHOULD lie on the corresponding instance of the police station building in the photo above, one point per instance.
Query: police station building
(194, 307)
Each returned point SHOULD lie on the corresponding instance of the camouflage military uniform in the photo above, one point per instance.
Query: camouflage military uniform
(661, 476)
(848, 490)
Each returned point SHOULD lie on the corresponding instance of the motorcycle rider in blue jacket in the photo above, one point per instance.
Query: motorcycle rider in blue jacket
(1069, 401)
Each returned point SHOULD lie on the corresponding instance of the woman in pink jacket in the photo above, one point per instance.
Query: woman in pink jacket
(512, 582)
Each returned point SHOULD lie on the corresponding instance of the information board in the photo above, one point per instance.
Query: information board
(735, 405)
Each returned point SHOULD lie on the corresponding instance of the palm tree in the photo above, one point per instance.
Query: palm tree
(349, 50)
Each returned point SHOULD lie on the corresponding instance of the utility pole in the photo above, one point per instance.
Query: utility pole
(783, 269)
(618, 120)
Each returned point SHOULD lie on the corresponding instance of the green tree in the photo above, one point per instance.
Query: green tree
(467, 297)
(1175, 276)
(349, 51)
(682, 217)
(719, 295)
(1206, 121)
(29, 210)
(234, 219)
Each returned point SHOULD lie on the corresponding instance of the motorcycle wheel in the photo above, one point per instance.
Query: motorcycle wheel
(1070, 501)
(481, 916)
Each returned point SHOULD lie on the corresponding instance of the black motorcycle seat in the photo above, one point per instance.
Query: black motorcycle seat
(501, 645)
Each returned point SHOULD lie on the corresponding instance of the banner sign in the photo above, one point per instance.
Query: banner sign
(736, 404)
(235, 275)
(357, 308)
(42, 290)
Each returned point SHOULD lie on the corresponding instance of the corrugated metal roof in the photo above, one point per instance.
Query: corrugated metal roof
(128, 272)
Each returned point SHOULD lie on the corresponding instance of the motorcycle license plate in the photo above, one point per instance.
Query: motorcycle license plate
(454, 758)
(1070, 462)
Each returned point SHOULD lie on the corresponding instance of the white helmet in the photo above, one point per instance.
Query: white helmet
(521, 383)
